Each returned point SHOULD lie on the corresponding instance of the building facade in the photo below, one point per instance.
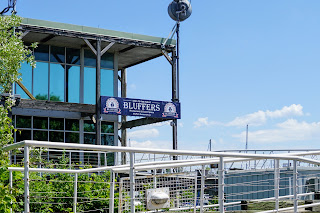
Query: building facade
(59, 101)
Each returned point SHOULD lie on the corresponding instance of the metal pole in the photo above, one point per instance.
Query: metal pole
(75, 194)
(195, 192)
(123, 117)
(10, 183)
(295, 186)
(105, 159)
(247, 145)
(174, 99)
(178, 65)
(99, 160)
(69, 160)
(112, 184)
(155, 178)
(202, 189)
(276, 183)
(26, 180)
(247, 138)
(132, 185)
(221, 185)
(98, 93)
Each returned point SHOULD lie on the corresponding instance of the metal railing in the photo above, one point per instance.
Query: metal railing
(187, 180)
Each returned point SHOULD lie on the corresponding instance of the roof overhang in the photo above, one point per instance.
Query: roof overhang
(133, 49)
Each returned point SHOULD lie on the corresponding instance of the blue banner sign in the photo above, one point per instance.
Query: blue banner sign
(138, 107)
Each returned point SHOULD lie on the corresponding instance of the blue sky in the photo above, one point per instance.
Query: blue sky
(242, 62)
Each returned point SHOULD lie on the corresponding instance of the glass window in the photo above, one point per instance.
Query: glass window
(107, 60)
(72, 125)
(89, 85)
(57, 54)
(23, 135)
(40, 79)
(107, 127)
(23, 122)
(56, 123)
(106, 82)
(26, 76)
(73, 84)
(41, 53)
(89, 139)
(40, 123)
(40, 135)
(72, 137)
(73, 56)
(56, 82)
(89, 58)
(89, 126)
(110, 159)
(56, 136)
(107, 140)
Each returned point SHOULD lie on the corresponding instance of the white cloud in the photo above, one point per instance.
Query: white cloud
(203, 122)
(144, 133)
(290, 130)
(260, 117)
(255, 119)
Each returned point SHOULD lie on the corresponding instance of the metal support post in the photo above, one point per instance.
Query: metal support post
(69, 160)
(202, 188)
(123, 117)
(112, 184)
(26, 180)
(295, 186)
(105, 159)
(221, 185)
(195, 192)
(132, 184)
(99, 159)
(75, 194)
(98, 93)
(155, 178)
(10, 184)
(174, 99)
(178, 58)
(276, 183)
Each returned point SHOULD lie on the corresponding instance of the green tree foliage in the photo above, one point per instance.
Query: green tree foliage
(12, 54)
(53, 192)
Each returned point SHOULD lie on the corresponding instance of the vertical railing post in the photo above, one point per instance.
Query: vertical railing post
(26, 180)
(75, 192)
(221, 185)
(295, 186)
(69, 160)
(195, 192)
(10, 184)
(202, 188)
(155, 178)
(99, 159)
(105, 159)
(112, 184)
(132, 185)
(276, 183)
